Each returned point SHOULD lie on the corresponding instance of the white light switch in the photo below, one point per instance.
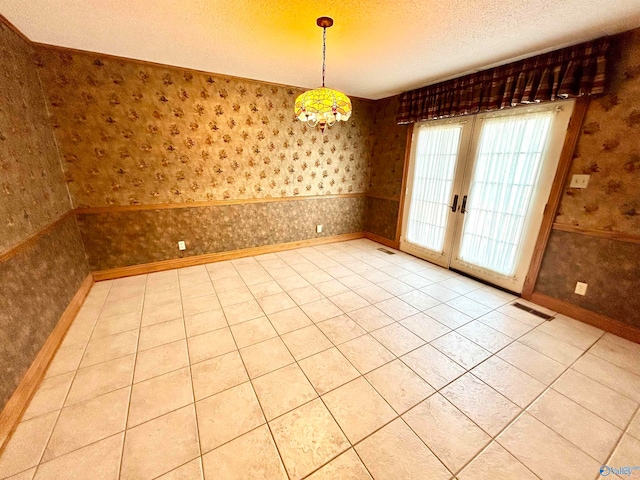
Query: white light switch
(581, 288)
(182, 245)
(579, 181)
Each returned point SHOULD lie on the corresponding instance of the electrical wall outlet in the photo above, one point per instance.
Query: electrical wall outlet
(579, 181)
(318, 228)
(182, 245)
(581, 288)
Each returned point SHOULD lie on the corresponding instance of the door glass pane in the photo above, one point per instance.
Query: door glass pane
(435, 163)
(508, 160)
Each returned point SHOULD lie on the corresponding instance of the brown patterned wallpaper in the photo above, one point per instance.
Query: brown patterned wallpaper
(389, 144)
(37, 284)
(387, 164)
(382, 217)
(153, 235)
(610, 267)
(609, 150)
(136, 133)
(32, 188)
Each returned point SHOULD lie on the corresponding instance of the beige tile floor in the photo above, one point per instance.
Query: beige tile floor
(333, 362)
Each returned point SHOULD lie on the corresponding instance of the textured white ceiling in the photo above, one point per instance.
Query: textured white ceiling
(375, 49)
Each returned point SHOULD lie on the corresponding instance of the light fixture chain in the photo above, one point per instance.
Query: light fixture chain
(323, 107)
(324, 51)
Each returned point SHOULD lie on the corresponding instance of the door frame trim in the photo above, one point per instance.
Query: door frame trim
(403, 188)
(557, 188)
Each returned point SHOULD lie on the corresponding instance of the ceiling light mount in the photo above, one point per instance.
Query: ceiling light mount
(323, 106)
(324, 22)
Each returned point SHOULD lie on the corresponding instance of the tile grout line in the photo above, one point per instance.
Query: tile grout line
(258, 400)
(331, 347)
(624, 432)
(469, 371)
(95, 321)
(513, 340)
(193, 393)
(352, 445)
(133, 376)
(550, 387)
(319, 396)
(523, 410)
(395, 417)
(77, 369)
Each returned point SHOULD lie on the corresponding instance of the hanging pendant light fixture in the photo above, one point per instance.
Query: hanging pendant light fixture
(323, 106)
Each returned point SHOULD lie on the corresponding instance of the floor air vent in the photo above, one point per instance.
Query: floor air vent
(388, 252)
(535, 312)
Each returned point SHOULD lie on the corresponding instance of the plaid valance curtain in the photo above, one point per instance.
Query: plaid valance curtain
(569, 72)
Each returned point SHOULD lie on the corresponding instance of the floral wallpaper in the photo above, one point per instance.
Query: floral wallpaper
(136, 133)
(153, 235)
(32, 188)
(608, 149)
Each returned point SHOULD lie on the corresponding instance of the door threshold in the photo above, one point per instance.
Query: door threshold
(485, 282)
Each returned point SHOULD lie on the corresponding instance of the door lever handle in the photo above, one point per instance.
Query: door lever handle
(463, 209)
(454, 207)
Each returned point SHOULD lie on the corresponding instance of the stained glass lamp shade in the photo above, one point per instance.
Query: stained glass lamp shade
(323, 106)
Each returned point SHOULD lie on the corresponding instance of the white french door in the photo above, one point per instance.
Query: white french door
(477, 188)
(435, 174)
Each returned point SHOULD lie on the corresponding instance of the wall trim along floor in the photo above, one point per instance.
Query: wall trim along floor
(384, 241)
(15, 407)
(218, 257)
(608, 324)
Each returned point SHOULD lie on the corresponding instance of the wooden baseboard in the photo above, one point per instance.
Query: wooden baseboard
(383, 240)
(587, 316)
(218, 257)
(19, 401)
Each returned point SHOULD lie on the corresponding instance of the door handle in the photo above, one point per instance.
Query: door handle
(454, 207)
(464, 205)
